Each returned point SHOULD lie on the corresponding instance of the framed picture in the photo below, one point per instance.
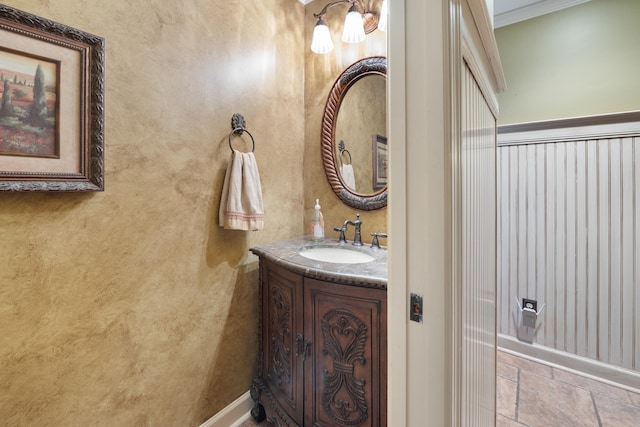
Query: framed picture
(51, 105)
(380, 161)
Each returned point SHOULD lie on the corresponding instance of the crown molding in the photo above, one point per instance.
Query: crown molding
(532, 11)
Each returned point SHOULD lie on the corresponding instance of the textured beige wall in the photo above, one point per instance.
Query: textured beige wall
(363, 113)
(576, 62)
(321, 72)
(131, 307)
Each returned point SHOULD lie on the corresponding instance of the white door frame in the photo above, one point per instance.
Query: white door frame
(420, 368)
(425, 59)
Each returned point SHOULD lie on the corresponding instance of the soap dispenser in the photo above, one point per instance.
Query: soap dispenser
(317, 224)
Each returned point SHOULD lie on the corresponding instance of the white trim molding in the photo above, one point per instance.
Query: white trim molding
(533, 10)
(233, 415)
(580, 128)
(491, 54)
(603, 372)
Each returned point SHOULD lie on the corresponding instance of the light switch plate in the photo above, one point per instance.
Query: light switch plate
(415, 308)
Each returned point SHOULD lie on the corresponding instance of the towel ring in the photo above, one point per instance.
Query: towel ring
(342, 154)
(343, 150)
(239, 131)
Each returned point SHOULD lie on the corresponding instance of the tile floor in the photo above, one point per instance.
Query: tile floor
(536, 395)
(531, 394)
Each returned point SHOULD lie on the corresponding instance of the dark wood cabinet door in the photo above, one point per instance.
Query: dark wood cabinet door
(282, 340)
(345, 372)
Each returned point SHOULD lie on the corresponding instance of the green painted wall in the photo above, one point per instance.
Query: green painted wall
(580, 61)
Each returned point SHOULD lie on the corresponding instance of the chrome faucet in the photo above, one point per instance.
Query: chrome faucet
(357, 238)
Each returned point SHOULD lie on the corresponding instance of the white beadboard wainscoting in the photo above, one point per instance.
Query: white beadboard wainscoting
(478, 255)
(569, 237)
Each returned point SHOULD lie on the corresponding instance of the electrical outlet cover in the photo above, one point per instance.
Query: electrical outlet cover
(529, 318)
(531, 304)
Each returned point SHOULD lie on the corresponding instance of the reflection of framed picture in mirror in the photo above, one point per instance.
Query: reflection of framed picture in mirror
(380, 161)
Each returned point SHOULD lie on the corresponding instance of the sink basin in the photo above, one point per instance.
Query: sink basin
(336, 255)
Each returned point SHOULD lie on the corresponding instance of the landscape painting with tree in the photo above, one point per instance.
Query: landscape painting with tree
(28, 106)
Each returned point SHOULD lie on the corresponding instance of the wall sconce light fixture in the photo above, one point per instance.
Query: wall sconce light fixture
(360, 20)
(384, 13)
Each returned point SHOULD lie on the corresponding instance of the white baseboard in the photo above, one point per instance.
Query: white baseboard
(594, 369)
(233, 415)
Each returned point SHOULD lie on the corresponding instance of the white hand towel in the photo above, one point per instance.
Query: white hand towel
(348, 176)
(241, 204)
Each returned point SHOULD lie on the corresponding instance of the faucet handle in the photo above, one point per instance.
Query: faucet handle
(341, 238)
(374, 242)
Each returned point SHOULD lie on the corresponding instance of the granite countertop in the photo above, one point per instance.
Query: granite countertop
(371, 274)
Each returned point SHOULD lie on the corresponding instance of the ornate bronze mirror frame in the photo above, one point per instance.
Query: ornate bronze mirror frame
(365, 67)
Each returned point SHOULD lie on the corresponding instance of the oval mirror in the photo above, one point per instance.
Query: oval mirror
(353, 137)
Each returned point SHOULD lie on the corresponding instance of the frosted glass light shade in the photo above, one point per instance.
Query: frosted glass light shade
(382, 23)
(321, 41)
(353, 27)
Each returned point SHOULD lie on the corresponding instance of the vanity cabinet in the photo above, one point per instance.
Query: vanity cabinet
(323, 351)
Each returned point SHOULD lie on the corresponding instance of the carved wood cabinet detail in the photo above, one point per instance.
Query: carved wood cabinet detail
(322, 352)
